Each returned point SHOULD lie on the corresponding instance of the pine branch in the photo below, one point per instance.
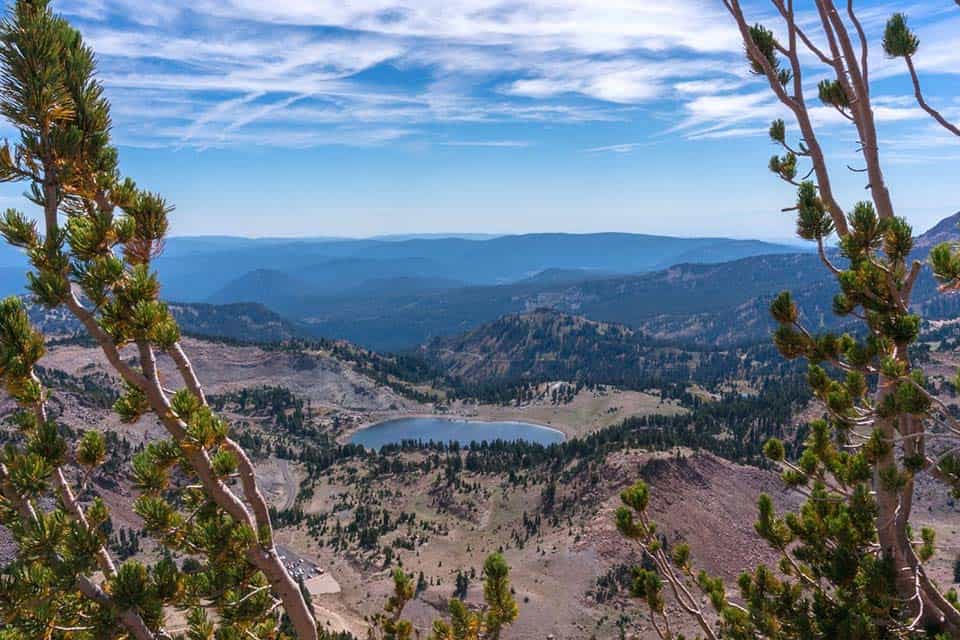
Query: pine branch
(796, 105)
(130, 619)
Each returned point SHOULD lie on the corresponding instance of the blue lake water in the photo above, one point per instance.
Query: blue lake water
(452, 430)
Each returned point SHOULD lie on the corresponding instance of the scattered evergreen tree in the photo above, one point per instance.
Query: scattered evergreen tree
(499, 610)
(461, 586)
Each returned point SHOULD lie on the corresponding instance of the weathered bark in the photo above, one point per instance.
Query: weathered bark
(944, 613)
(892, 512)
(282, 582)
(104, 559)
(860, 101)
(130, 619)
(264, 556)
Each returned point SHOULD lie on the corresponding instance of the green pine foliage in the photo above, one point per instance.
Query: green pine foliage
(851, 561)
(197, 492)
(499, 610)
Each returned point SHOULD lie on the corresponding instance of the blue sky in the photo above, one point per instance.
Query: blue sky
(365, 117)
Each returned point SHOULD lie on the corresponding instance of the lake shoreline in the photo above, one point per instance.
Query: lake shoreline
(463, 421)
(569, 433)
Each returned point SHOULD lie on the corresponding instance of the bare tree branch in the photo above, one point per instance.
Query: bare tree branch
(787, 14)
(864, 46)
(859, 99)
(936, 115)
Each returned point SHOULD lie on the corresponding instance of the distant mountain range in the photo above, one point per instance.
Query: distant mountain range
(720, 303)
(397, 294)
(288, 276)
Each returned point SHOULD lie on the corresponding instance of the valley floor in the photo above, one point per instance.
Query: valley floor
(554, 571)
(357, 517)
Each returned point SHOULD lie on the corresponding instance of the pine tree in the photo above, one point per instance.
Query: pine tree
(462, 585)
(198, 493)
(852, 565)
(487, 623)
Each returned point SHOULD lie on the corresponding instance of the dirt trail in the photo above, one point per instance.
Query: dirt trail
(290, 482)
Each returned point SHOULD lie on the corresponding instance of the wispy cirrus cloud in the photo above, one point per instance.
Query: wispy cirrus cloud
(215, 69)
(625, 147)
(298, 73)
(503, 144)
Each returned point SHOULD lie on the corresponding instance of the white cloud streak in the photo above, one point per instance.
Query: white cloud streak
(307, 72)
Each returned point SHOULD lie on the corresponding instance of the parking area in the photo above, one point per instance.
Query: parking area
(317, 580)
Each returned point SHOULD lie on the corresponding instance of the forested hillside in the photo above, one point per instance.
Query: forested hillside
(547, 345)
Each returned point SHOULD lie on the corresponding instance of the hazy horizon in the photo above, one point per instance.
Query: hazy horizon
(479, 236)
